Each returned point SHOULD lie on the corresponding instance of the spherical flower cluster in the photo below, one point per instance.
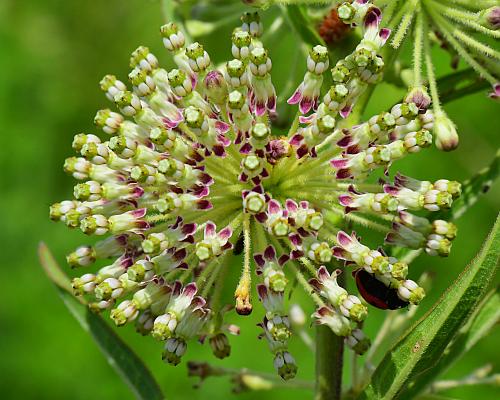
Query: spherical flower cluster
(191, 172)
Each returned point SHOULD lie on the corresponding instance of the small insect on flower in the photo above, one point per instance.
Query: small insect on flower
(376, 293)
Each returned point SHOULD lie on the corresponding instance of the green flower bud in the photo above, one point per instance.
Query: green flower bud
(174, 350)
(220, 345)
(236, 100)
(251, 24)
(490, 18)
(445, 132)
(399, 270)
(285, 364)
(340, 73)
(254, 203)
(203, 251)
(346, 12)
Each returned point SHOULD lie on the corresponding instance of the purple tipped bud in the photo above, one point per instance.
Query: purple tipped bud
(215, 87)
(490, 18)
(495, 94)
(220, 345)
(419, 96)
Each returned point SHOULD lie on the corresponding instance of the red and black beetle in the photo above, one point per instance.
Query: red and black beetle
(376, 293)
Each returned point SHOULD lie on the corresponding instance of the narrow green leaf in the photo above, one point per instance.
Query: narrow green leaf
(478, 326)
(422, 346)
(125, 362)
(52, 269)
(486, 318)
(119, 355)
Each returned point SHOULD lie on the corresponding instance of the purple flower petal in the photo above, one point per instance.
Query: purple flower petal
(179, 255)
(139, 213)
(225, 233)
(222, 127)
(190, 290)
(204, 205)
(274, 207)
(283, 259)
(344, 113)
(296, 140)
(291, 205)
(339, 253)
(338, 163)
(210, 230)
(261, 217)
(345, 141)
(260, 109)
(323, 274)
(344, 239)
(343, 173)
(392, 190)
(302, 151)
(307, 119)
(305, 105)
(384, 34)
(345, 200)
(262, 292)
(259, 260)
(271, 104)
(296, 96)
(270, 253)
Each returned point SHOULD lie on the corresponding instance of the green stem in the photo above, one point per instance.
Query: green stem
(354, 371)
(404, 24)
(474, 4)
(390, 7)
(417, 51)
(242, 292)
(447, 29)
(466, 18)
(329, 361)
(431, 76)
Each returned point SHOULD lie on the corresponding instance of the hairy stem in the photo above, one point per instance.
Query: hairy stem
(242, 293)
(446, 29)
(417, 51)
(431, 77)
(404, 24)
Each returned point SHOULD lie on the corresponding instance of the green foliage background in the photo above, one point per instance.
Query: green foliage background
(52, 55)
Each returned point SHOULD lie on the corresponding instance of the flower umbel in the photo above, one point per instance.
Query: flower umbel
(192, 163)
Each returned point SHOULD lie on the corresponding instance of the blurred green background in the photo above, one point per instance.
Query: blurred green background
(52, 55)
